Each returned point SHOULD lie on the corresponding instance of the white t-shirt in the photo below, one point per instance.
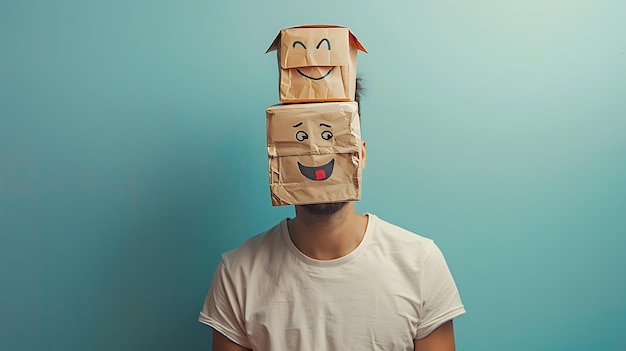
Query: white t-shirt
(393, 288)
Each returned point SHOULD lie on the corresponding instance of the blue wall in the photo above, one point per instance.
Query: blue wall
(132, 154)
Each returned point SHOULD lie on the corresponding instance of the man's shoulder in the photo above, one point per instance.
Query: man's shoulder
(257, 247)
(404, 243)
(398, 234)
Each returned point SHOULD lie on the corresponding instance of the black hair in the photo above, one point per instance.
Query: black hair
(358, 93)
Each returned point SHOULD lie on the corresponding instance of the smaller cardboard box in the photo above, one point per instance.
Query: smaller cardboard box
(316, 63)
(314, 153)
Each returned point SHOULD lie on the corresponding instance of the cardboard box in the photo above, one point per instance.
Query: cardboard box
(316, 63)
(314, 153)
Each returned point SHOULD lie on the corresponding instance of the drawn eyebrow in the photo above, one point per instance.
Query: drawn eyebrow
(298, 125)
(323, 40)
(324, 125)
(299, 42)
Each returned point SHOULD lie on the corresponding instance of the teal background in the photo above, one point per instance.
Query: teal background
(132, 153)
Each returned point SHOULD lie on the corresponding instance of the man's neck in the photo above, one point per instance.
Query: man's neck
(327, 237)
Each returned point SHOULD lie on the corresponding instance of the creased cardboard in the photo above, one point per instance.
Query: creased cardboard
(314, 153)
(316, 63)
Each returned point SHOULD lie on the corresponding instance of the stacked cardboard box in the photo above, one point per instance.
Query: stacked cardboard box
(314, 135)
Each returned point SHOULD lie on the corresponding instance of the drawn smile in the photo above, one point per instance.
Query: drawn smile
(317, 173)
(322, 77)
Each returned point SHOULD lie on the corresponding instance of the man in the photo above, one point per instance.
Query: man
(333, 279)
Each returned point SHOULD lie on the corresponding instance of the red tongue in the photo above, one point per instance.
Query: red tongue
(320, 174)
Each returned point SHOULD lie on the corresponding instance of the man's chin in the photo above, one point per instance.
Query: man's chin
(326, 209)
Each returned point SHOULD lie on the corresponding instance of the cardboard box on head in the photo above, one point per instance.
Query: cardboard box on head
(314, 153)
(316, 63)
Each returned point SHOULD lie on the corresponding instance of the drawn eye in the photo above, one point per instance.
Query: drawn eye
(298, 42)
(327, 134)
(301, 135)
(321, 41)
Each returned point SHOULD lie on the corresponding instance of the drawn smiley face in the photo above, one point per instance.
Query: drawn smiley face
(316, 173)
(314, 152)
(299, 45)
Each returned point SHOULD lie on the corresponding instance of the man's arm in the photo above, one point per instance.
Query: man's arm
(441, 339)
(222, 343)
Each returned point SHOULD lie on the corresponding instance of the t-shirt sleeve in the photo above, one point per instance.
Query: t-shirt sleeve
(441, 301)
(222, 307)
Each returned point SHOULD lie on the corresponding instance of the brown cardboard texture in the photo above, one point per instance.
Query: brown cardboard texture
(316, 63)
(314, 153)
